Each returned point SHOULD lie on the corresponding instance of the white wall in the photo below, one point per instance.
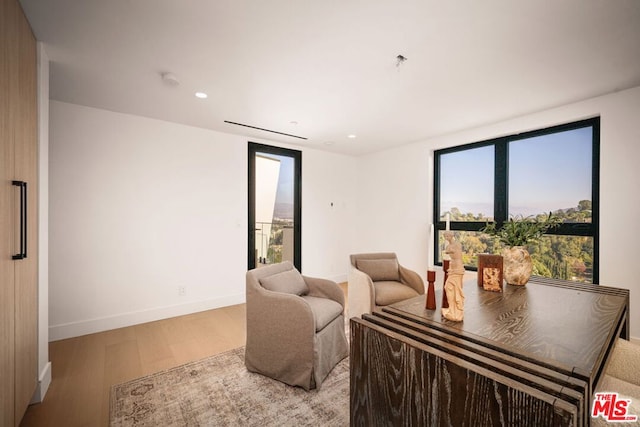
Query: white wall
(395, 188)
(395, 204)
(44, 365)
(139, 207)
(329, 214)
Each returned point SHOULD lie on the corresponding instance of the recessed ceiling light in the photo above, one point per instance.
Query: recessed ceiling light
(352, 136)
(293, 122)
(201, 95)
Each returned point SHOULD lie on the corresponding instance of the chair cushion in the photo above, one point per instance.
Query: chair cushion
(625, 361)
(288, 282)
(379, 269)
(324, 310)
(389, 292)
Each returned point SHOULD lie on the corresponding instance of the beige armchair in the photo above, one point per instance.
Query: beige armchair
(622, 376)
(295, 325)
(377, 279)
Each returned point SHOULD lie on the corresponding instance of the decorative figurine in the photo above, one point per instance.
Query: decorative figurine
(453, 283)
(490, 272)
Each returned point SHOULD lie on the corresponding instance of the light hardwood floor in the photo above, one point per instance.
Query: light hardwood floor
(85, 368)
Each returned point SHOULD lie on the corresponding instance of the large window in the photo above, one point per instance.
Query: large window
(529, 174)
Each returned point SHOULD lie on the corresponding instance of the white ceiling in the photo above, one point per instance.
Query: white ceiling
(330, 65)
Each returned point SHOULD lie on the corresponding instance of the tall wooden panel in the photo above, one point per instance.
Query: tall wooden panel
(6, 229)
(26, 270)
(18, 277)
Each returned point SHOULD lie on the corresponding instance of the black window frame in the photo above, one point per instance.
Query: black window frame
(253, 149)
(501, 187)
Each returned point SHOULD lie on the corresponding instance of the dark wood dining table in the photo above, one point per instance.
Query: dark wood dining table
(529, 355)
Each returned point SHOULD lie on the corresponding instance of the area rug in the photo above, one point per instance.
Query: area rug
(219, 391)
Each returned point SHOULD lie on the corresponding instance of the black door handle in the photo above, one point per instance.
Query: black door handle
(23, 219)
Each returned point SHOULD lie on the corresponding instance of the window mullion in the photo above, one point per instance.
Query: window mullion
(501, 182)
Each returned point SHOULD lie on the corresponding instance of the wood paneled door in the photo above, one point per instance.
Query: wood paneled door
(18, 213)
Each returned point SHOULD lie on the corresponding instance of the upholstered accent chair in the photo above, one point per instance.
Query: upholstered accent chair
(377, 279)
(295, 325)
(622, 376)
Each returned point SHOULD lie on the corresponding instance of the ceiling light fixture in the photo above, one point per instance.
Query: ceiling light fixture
(201, 95)
(352, 136)
(169, 79)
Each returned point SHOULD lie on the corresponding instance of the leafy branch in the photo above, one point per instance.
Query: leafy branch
(520, 231)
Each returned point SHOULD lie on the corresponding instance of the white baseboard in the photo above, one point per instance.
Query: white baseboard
(90, 326)
(44, 381)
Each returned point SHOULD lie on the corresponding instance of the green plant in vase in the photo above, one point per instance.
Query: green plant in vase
(515, 235)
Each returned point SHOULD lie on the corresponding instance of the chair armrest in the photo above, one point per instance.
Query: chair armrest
(361, 293)
(324, 288)
(624, 362)
(412, 279)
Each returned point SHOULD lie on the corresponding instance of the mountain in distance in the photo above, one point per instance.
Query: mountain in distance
(487, 209)
(283, 210)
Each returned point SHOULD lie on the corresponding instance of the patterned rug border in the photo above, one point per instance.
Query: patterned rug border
(213, 391)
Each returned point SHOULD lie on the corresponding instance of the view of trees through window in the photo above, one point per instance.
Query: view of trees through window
(561, 257)
(529, 175)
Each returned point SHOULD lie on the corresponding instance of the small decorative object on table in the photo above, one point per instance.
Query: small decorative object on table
(453, 283)
(431, 293)
(515, 234)
(490, 272)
